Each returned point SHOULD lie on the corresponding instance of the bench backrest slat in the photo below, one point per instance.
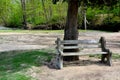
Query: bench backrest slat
(79, 42)
(81, 47)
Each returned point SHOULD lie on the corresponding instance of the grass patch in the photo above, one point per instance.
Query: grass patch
(114, 56)
(13, 62)
(31, 31)
(43, 31)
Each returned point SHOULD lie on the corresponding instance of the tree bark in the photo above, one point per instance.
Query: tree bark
(45, 11)
(24, 14)
(71, 31)
(3, 20)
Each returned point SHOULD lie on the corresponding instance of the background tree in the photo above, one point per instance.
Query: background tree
(71, 31)
(23, 4)
(11, 13)
(4, 4)
(45, 11)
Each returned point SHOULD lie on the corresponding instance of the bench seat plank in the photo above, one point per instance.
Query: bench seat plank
(81, 53)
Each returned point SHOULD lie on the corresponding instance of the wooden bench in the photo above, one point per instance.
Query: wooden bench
(81, 45)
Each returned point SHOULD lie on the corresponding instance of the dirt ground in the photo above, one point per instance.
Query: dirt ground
(85, 69)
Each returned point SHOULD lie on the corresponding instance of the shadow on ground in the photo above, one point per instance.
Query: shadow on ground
(83, 61)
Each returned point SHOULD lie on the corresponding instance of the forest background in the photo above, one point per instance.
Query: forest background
(43, 14)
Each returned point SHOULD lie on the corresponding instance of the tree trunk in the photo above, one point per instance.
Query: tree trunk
(45, 11)
(85, 20)
(71, 31)
(3, 20)
(24, 14)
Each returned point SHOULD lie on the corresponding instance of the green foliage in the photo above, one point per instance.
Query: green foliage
(38, 12)
(104, 16)
(113, 23)
(15, 18)
(90, 13)
(116, 9)
(112, 19)
(92, 3)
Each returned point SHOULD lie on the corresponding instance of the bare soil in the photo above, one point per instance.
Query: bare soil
(86, 69)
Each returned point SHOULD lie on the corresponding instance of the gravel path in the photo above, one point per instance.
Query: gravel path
(22, 41)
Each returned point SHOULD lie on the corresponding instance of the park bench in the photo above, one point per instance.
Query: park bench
(81, 45)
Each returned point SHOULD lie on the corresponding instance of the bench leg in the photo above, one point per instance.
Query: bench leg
(109, 59)
(103, 58)
(60, 62)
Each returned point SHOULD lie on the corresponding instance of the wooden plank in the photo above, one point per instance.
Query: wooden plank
(70, 47)
(81, 47)
(113, 44)
(81, 53)
(80, 42)
(107, 43)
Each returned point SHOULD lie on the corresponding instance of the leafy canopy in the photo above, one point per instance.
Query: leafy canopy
(93, 2)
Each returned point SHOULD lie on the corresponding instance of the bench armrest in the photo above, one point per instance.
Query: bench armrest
(59, 51)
